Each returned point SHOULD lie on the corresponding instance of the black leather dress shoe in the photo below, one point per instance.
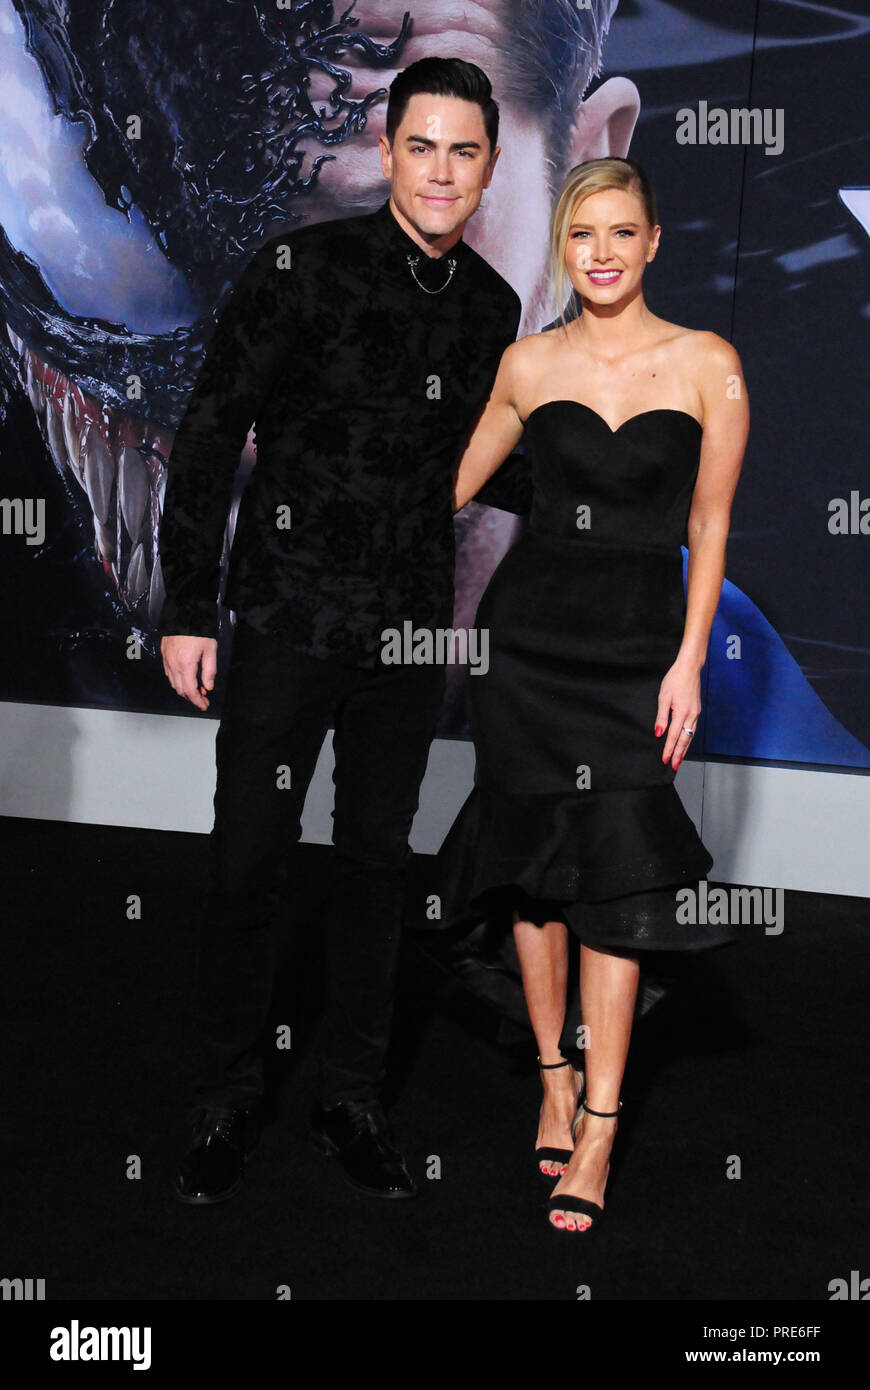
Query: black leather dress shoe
(356, 1133)
(211, 1169)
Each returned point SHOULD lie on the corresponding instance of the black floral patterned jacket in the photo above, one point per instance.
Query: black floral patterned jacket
(361, 385)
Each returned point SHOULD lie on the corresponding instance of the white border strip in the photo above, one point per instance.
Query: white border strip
(775, 827)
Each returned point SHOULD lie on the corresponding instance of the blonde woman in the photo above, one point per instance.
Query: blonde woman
(635, 430)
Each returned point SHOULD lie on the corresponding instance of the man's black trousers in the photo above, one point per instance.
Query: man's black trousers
(278, 705)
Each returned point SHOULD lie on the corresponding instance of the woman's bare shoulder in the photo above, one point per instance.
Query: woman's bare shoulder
(527, 354)
(705, 349)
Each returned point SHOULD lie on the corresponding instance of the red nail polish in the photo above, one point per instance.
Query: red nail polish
(659, 731)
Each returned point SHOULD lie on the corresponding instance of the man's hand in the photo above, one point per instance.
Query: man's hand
(182, 657)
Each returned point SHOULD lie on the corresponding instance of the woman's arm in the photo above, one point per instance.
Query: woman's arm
(494, 435)
(726, 427)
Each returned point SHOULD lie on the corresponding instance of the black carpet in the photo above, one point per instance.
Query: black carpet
(760, 1054)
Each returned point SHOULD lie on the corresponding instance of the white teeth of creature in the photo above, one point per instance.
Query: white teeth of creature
(99, 469)
(71, 433)
(137, 575)
(104, 541)
(133, 489)
(34, 390)
(78, 444)
(56, 441)
(157, 593)
(231, 521)
(15, 341)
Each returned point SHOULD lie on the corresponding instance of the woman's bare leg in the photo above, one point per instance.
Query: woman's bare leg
(543, 956)
(608, 990)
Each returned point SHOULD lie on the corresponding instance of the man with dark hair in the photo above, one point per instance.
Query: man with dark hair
(362, 348)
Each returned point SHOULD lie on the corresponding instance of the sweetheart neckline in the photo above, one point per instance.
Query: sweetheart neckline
(657, 410)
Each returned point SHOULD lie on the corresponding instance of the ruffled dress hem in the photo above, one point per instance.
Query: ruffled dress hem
(610, 864)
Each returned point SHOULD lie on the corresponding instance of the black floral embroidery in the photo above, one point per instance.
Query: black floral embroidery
(362, 386)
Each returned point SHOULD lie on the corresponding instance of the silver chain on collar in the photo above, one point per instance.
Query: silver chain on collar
(414, 261)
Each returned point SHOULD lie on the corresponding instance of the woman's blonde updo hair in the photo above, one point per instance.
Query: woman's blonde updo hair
(592, 176)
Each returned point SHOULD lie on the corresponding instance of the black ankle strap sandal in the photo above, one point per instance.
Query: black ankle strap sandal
(581, 1206)
(548, 1153)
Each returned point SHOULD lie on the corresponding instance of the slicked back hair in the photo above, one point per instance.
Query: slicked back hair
(443, 77)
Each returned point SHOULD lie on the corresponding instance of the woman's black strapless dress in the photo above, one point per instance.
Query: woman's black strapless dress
(572, 805)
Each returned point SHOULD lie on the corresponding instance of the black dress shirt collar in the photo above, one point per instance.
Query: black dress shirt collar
(397, 243)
